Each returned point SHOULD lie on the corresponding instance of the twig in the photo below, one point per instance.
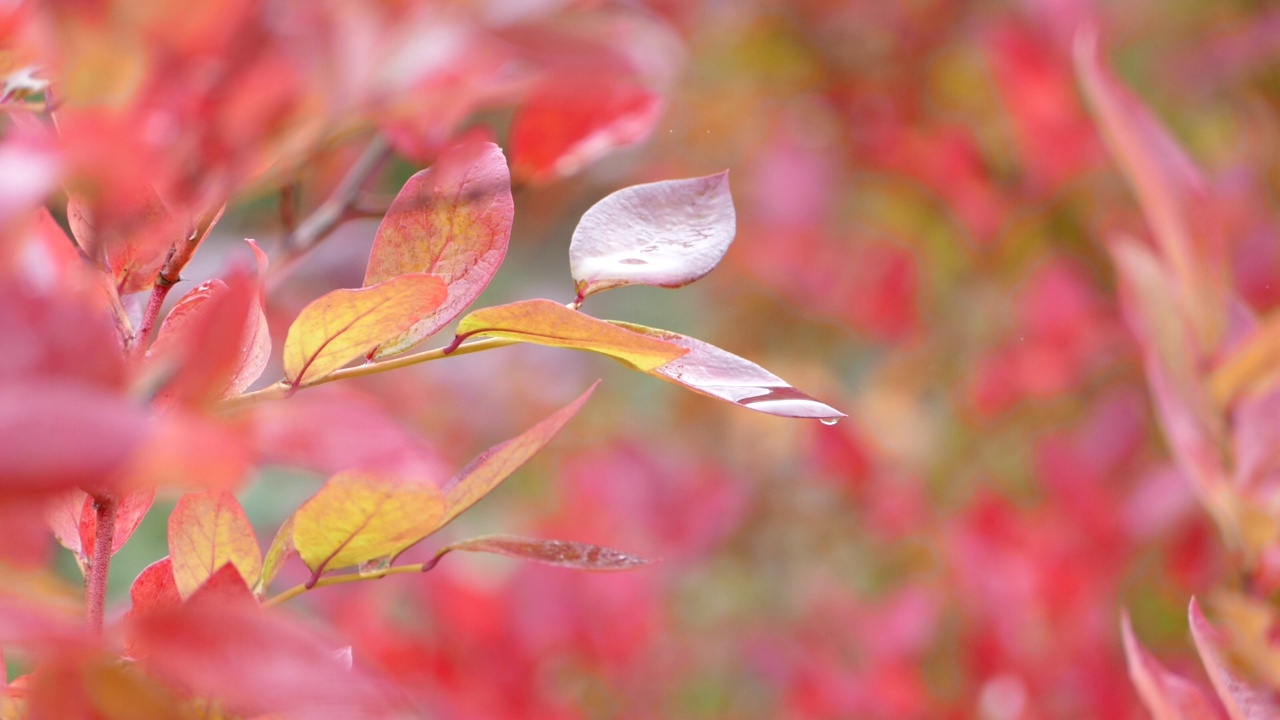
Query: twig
(104, 508)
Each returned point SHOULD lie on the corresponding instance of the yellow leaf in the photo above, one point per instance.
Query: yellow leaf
(357, 517)
(544, 322)
(1251, 367)
(206, 531)
(347, 324)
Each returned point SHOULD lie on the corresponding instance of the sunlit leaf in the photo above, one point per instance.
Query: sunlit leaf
(561, 553)
(496, 464)
(452, 220)
(357, 517)
(1243, 700)
(544, 322)
(281, 549)
(666, 234)
(708, 370)
(1166, 695)
(206, 531)
(348, 324)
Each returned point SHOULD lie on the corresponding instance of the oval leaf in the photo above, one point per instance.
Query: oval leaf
(206, 531)
(453, 220)
(347, 324)
(357, 517)
(496, 464)
(545, 322)
(708, 370)
(665, 234)
(561, 553)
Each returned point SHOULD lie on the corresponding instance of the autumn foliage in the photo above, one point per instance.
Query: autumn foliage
(285, 305)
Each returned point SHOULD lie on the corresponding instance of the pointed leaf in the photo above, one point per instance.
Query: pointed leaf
(206, 531)
(666, 234)
(281, 550)
(452, 220)
(544, 322)
(154, 588)
(357, 517)
(347, 324)
(708, 370)
(1243, 700)
(561, 553)
(1168, 186)
(1166, 695)
(1251, 367)
(496, 464)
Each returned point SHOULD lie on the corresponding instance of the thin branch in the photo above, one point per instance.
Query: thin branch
(283, 389)
(297, 590)
(170, 275)
(104, 509)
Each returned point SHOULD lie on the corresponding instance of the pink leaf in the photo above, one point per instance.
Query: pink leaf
(1243, 700)
(666, 234)
(452, 220)
(1167, 695)
(708, 370)
(133, 508)
(560, 553)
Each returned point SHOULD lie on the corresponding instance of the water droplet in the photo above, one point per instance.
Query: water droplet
(829, 421)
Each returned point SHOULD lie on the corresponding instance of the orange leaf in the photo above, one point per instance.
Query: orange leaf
(708, 370)
(206, 531)
(544, 322)
(561, 553)
(358, 517)
(496, 464)
(453, 220)
(347, 324)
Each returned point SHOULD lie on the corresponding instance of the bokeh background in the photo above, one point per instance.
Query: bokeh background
(922, 203)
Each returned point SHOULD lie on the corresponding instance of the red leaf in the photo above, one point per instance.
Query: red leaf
(133, 508)
(570, 121)
(452, 220)
(666, 234)
(154, 589)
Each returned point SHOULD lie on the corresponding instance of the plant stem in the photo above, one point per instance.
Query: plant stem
(283, 389)
(104, 508)
(170, 275)
(297, 590)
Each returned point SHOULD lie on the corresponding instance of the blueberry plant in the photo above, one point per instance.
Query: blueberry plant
(132, 128)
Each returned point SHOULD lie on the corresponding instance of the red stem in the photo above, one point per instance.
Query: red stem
(154, 303)
(104, 508)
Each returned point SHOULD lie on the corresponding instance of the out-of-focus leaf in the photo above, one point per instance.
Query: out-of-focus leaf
(566, 125)
(134, 227)
(347, 324)
(1168, 186)
(496, 464)
(1251, 367)
(132, 509)
(63, 435)
(1243, 700)
(206, 531)
(281, 549)
(192, 451)
(357, 517)
(253, 662)
(452, 220)
(336, 428)
(561, 553)
(708, 370)
(1166, 695)
(215, 341)
(665, 234)
(545, 322)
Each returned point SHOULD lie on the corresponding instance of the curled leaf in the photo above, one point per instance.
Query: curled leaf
(347, 324)
(545, 322)
(665, 234)
(708, 370)
(452, 220)
(561, 553)
(358, 517)
(206, 531)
